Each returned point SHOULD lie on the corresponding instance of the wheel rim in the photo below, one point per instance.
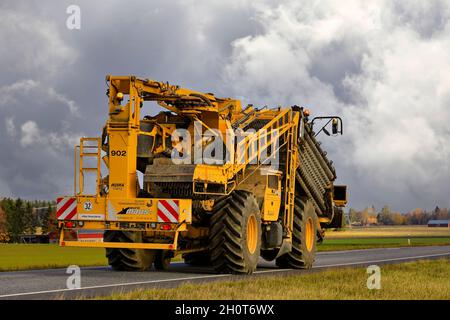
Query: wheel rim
(166, 260)
(252, 234)
(309, 234)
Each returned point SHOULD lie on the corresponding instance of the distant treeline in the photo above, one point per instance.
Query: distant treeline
(19, 217)
(388, 217)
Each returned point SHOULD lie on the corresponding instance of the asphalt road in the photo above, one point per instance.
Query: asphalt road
(97, 281)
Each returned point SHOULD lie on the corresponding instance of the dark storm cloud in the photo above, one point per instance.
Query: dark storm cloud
(52, 80)
(379, 64)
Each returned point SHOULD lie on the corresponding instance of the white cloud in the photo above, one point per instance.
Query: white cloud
(9, 93)
(10, 126)
(30, 134)
(33, 136)
(73, 108)
(384, 68)
(38, 91)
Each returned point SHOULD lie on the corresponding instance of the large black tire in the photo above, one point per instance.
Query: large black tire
(162, 260)
(197, 258)
(128, 259)
(303, 251)
(232, 238)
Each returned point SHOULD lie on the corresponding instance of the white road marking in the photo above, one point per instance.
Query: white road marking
(115, 285)
(218, 275)
(359, 250)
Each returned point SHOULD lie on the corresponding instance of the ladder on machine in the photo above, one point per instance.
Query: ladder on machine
(89, 147)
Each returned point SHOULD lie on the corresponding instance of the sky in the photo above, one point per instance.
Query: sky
(383, 66)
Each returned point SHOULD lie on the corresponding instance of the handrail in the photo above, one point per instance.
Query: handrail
(261, 133)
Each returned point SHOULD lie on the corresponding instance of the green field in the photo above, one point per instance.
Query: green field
(370, 243)
(388, 232)
(41, 256)
(38, 256)
(420, 280)
(385, 236)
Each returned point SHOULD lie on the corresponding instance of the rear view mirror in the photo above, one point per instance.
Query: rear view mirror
(334, 125)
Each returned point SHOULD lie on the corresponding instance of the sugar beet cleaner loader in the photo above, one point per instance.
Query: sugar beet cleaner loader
(221, 185)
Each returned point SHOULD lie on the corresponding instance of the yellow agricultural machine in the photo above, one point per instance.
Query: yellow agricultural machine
(221, 185)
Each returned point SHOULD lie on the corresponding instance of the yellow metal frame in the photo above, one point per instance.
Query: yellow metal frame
(291, 168)
(131, 245)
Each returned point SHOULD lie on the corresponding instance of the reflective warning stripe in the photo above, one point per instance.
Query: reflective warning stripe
(66, 208)
(168, 211)
(85, 234)
(90, 235)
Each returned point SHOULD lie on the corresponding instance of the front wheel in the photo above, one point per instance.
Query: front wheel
(304, 233)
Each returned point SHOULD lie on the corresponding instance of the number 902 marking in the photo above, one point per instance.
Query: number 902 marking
(118, 153)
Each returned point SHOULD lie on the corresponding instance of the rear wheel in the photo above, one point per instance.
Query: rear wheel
(303, 251)
(162, 260)
(124, 259)
(235, 238)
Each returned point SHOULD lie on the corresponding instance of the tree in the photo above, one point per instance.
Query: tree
(48, 219)
(14, 222)
(417, 216)
(398, 219)
(2, 219)
(28, 218)
(445, 214)
(19, 218)
(52, 224)
(385, 216)
(353, 215)
(3, 230)
(440, 214)
(365, 216)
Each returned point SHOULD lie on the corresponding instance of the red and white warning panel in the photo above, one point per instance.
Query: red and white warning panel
(90, 235)
(66, 208)
(168, 210)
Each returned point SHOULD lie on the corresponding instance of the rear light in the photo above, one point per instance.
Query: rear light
(165, 227)
(69, 224)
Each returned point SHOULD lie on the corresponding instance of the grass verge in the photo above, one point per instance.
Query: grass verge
(415, 280)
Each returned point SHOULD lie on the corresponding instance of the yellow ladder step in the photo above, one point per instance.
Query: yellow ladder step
(89, 154)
